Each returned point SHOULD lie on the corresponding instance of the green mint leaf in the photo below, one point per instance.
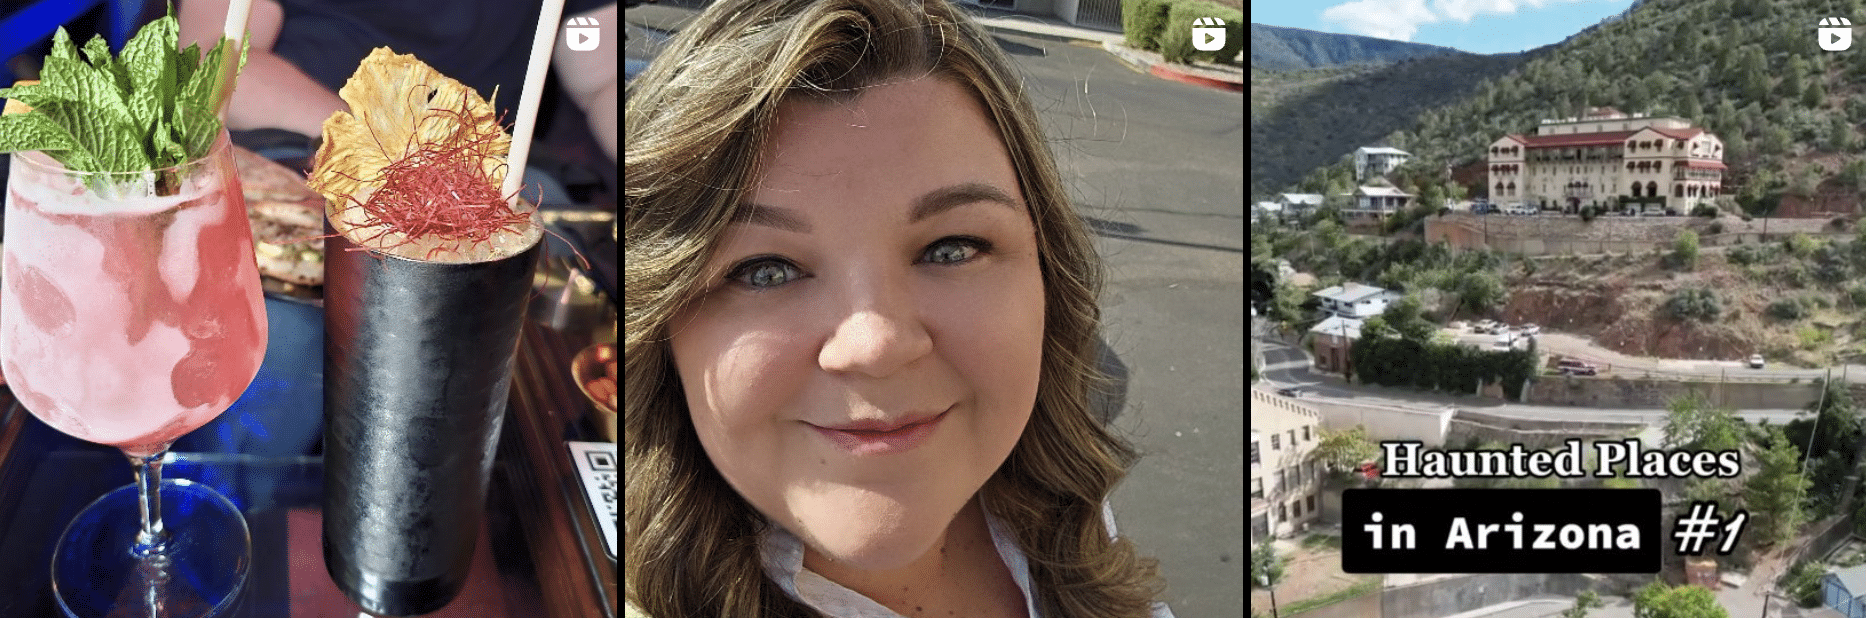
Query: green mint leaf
(149, 58)
(33, 132)
(195, 128)
(98, 52)
(186, 64)
(34, 95)
(199, 89)
(92, 88)
(111, 145)
(62, 47)
(150, 107)
(167, 151)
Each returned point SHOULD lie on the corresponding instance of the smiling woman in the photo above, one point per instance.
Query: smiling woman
(860, 336)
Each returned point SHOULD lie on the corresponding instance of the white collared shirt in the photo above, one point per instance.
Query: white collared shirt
(782, 553)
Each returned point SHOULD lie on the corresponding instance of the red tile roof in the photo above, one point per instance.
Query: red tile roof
(1577, 139)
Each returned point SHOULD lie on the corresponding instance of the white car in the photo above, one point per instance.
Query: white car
(1529, 329)
(1755, 361)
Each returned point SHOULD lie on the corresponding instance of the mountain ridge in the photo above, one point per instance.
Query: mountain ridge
(1280, 48)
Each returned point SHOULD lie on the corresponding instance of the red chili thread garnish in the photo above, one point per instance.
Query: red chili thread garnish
(440, 191)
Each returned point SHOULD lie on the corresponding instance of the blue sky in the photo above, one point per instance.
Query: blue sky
(1477, 26)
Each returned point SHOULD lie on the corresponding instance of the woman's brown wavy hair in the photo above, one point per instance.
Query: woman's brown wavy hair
(697, 120)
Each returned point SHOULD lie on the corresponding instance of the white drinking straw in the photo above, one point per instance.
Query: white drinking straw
(235, 33)
(542, 44)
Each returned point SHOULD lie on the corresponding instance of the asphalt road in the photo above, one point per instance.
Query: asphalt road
(1157, 168)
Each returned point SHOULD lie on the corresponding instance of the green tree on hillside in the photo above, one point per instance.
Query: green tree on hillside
(1658, 600)
(1693, 423)
(1754, 72)
(1795, 80)
(1839, 134)
(1854, 176)
(1775, 493)
(1814, 96)
(1690, 109)
(1777, 141)
(1685, 250)
(1407, 318)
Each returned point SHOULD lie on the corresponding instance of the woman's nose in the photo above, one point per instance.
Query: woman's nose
(879, 334)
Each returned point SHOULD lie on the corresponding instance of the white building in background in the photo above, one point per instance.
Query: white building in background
(1376, 201)
(1300, 204)
(1265, 211)
(1371, 161)
(1356, 300)
(1285, 478)
(1659, 162)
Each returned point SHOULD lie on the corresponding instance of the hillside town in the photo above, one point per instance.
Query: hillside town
(1565, 202)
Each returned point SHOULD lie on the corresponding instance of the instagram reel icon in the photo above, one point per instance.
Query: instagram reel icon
(582, 34)
(1208, 34)
(1835, 34)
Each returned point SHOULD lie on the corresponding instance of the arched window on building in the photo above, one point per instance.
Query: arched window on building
(1678, 190)
(1512, 188)
(1635, 189)
(1499, 188)
(1652, 188)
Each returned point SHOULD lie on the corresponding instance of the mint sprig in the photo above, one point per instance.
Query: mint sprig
(151, 107)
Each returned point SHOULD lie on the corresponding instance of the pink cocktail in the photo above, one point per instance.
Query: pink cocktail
(128, 319)
(130, 314)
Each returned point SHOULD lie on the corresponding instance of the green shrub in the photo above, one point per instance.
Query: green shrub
(1788, 309)
(1716, 227)
(1699, 304)
(1803, 583)
(1142, 21)
(1704, 210)
(1857, 294)
(1176, 38)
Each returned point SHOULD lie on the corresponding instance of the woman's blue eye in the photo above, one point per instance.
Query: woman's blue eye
(955, 250)
(765, 273)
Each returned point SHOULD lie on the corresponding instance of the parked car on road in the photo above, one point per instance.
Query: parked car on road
(1755, 361)
(1529, 329)
(1571, 366)
(1290, 391)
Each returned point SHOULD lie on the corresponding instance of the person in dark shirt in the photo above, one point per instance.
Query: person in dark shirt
(302, 51)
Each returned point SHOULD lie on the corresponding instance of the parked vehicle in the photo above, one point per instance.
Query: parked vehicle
(1529, 329)
(1571, 366)
(1290, 391)
(1755, 361)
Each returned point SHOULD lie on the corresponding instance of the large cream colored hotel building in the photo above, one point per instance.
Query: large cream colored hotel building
(1658, 163)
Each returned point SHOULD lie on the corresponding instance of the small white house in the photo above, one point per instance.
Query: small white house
(1265, 211)
(1378, 201)
(1355, 300)
(1300, 204)
(1370, 161)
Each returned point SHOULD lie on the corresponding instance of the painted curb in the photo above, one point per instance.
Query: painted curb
(1162, 70)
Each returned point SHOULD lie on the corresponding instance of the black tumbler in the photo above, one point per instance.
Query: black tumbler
(417, 366)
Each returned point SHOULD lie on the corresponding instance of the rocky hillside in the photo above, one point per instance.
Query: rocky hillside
(1776, 307)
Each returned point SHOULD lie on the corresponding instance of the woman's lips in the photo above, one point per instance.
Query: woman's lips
(881, 437)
